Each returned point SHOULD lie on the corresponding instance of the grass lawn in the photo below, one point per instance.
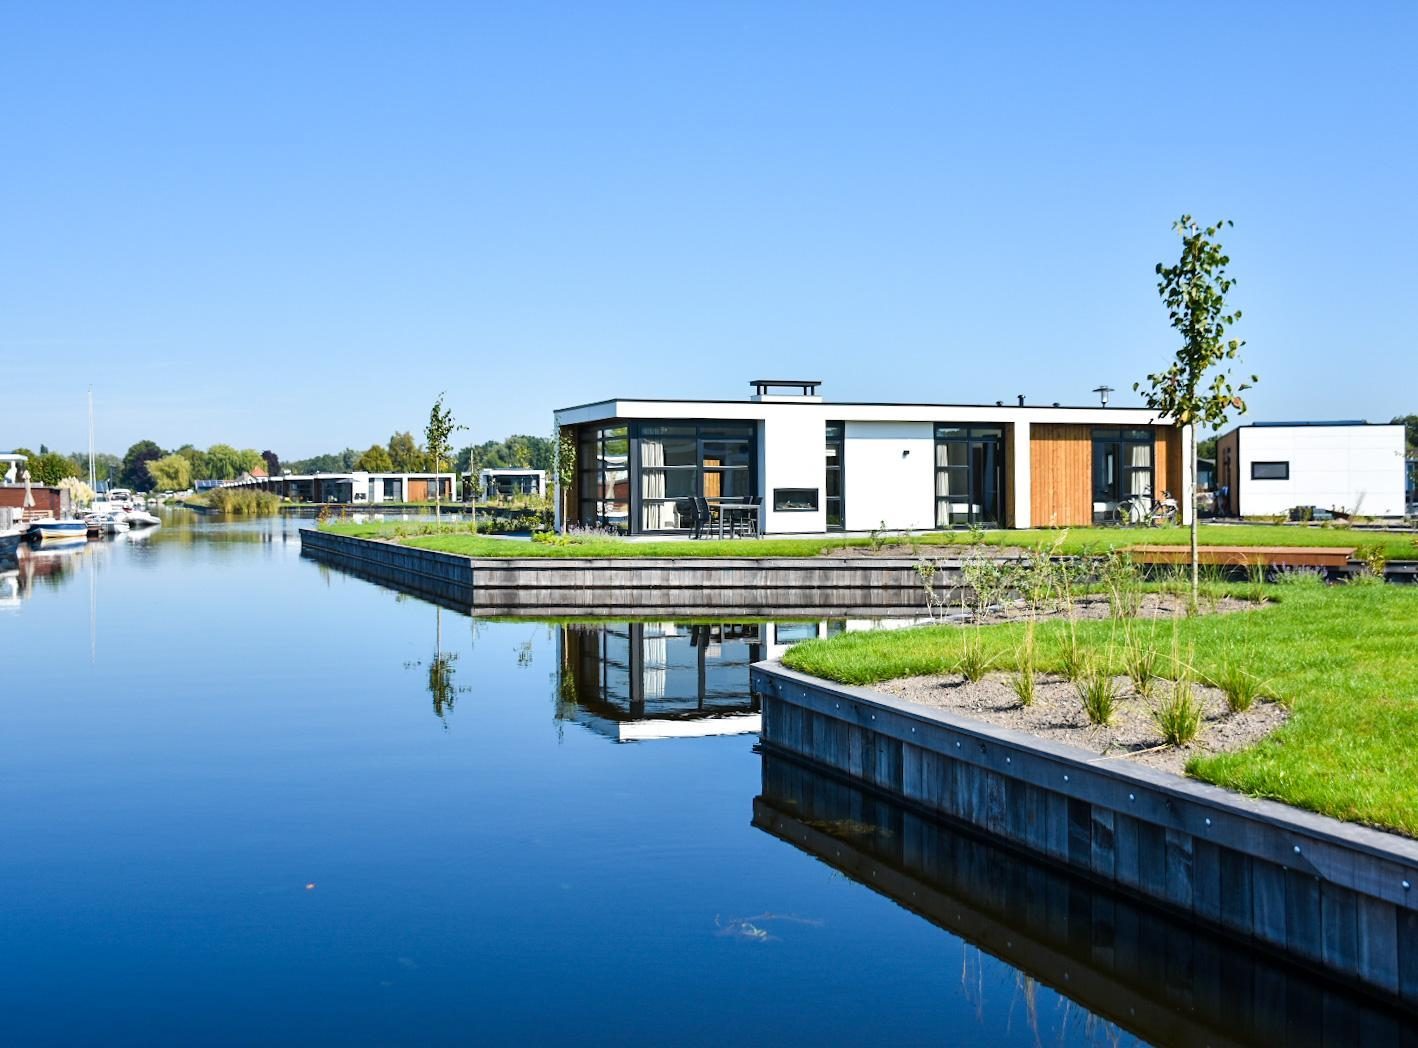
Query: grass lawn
(457, 539)
(1344, 658)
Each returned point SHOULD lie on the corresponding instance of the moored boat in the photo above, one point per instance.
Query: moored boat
(55, 531)
(141, 518)
(9, 542)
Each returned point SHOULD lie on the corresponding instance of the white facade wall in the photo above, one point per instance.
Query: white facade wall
(793, 454)
(888, 475)
(879, 482)
(1357, 469)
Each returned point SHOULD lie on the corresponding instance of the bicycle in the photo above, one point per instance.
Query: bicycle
(1140, 510)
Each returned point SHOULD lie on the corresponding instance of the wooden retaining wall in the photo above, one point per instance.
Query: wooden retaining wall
(632, 585)
(1166, 978)
(1332, 895)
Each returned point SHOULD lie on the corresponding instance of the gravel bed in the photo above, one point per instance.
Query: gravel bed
(1057, 714)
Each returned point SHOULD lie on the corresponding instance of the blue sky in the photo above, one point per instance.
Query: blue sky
(290, 226)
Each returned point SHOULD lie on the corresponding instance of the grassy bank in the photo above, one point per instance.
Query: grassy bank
(1344, 659)
(237, 502)
(456, 539)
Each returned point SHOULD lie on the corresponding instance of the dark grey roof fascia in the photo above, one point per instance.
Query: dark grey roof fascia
(855, 404)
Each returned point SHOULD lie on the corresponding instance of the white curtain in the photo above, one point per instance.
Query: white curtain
(658, 515)
(657, 661)
(1140, 459)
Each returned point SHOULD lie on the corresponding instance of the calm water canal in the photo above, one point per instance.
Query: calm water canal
(249, 799)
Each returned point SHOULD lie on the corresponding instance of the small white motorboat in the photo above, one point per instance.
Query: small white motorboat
(141, 518)
(9, 542)
(57, 531)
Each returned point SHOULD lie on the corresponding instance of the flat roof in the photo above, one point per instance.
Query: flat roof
(820, 404)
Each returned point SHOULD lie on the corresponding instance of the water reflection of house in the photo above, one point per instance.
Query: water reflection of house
(647, 680)
(656, 680)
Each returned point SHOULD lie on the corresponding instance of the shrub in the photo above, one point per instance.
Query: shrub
(1141, 662)
(1099, 693)
(1179, 718)
(974, 663)
(1024, 684)
(1240, 687)
(1293, 576)
(1373, 557)
(1074, 660)
(1024, 681)
(1123, 584)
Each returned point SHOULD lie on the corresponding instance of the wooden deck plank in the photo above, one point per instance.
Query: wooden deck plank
(1242, 556)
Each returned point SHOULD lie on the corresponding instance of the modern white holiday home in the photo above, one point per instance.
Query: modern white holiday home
(1352, 467)
(818, 466)
(510, 482)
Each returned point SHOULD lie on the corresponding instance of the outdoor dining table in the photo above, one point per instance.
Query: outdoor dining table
(725, 512)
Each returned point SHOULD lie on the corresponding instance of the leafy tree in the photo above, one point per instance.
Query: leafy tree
(50, 467)
(273, 463)
(106, 466)
(1195, 390)
(1410, 429)
(335, 462)
(406, 455)
(251, 460)
(134, 473)
(565, 467)
(375, 460)
(1206, 448)
(224, 462)
(171, 472)
(201, 468)
(438, 431)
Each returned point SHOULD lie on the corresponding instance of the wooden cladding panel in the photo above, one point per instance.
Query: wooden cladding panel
(1167, 463)
(1061, 474)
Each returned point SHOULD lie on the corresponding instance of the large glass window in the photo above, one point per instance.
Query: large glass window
(604, 462)
(1122, 468)
(836, 434)
(713, 460)
(968, 476)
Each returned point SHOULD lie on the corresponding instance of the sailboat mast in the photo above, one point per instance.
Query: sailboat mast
(93, 483)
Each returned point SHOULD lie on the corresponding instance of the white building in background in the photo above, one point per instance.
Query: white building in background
(354, 488)
(504, 483)
(1268, 468)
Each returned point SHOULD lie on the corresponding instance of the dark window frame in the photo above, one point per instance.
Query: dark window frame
(1283, 463)
(1121, 489)
(835, 465)
(973, 437)
(707, 432)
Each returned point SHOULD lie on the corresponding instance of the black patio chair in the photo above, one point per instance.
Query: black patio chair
(703, 516)
(749, 524)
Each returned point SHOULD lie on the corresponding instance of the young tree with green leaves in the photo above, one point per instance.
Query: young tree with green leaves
(436, 435)
(563, 469)
(1196, 389)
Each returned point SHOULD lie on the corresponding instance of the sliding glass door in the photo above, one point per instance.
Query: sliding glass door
(969, 477)
(1122, 468)
(603, 459)
(681, 460)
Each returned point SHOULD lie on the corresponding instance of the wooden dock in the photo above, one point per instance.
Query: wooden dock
(1246, 556)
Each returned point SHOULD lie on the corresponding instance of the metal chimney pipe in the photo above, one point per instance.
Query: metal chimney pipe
(1021, 399)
